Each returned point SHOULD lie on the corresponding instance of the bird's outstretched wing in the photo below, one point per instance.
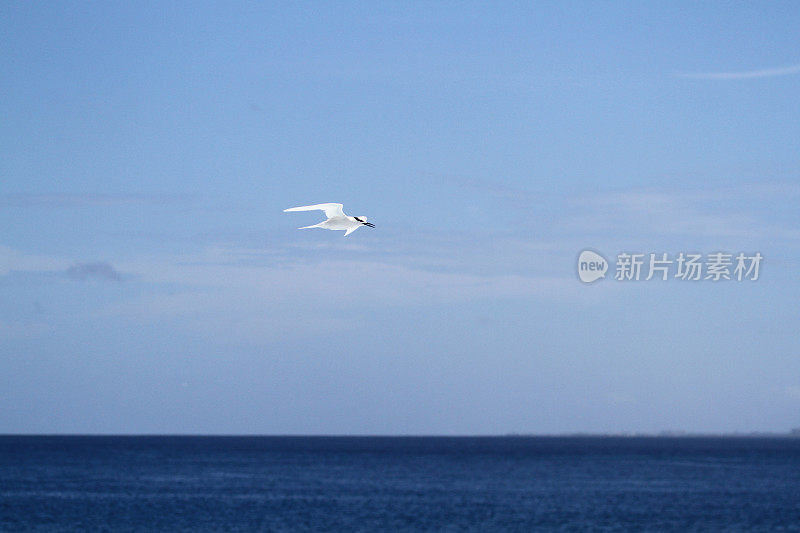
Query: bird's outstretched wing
(331, 210)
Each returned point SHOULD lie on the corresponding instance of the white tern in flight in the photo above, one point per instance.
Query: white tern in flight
(337, 220)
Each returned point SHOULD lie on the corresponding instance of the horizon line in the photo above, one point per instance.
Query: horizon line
(795, 432)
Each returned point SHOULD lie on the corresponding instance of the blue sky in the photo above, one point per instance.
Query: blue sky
(151, 283)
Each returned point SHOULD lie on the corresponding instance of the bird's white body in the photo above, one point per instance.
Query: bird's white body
(337, 220)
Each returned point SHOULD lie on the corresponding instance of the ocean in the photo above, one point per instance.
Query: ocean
(163, 483)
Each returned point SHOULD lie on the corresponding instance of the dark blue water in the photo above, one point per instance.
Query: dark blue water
(364, 484)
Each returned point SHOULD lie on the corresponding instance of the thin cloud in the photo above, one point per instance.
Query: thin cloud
(493, 187)
(743, 75)
(12, 260)
(53, 200)
(792, 391)
(98, 270)
(717, 213)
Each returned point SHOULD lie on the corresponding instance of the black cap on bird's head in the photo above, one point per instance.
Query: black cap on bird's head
(363, 221)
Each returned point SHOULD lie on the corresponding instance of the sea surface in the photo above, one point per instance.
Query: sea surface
(77, 483)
